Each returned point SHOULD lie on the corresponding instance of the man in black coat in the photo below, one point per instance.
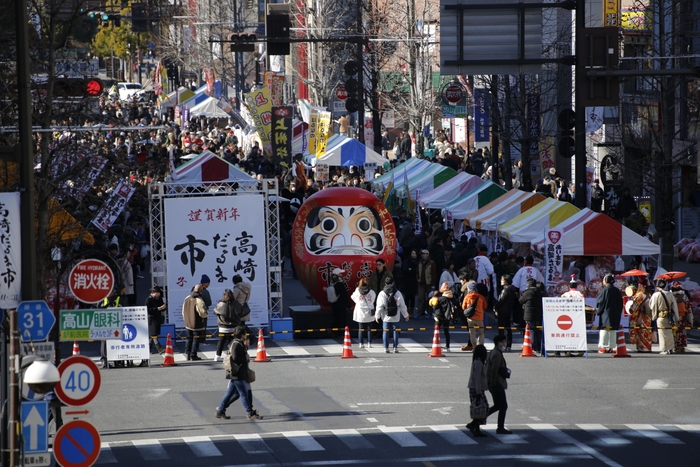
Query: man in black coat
(531, 300)
(609, 310)
(506, 304)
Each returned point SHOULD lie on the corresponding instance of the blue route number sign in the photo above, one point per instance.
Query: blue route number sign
(35, 320)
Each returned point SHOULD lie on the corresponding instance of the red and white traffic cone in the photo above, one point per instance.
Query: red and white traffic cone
(347, 345)
(76, 348)
(621, 350)
(261, 355)
(168, 357)
(436, 350)
(527, 344)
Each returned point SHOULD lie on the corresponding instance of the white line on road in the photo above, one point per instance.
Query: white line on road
(505, 439)
(303, 441)
(202, 446)
(330, 346)
(106, 455)
(252, 443)
(372, 420)
(150, 449)
(411, 403)
(655, 384)
(558, 436)
(412, 346)
(402, 436)
(453, 435)
(654, 433)
(353, 439)
(605, 435)
(292, 348)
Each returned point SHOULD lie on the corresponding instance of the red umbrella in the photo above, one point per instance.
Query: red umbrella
(634, 273)
(671, 275)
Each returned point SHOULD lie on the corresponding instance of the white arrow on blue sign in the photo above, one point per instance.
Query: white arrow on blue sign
(35, 320)
(35, 426)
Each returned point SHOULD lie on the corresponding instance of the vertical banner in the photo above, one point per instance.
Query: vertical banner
(481, 116)
(554, 258)
(260, 108)
(134, 342)
(313, 131)
(324, 128)
(10, 251)
(546, 151)
(564, 324)
(274, 82)
(419, 221)
(449, 222)
(534, 128)
(369, 131)
(282, 132)
(114, 205)
(611, 13)
(322, 172)
(220, 237)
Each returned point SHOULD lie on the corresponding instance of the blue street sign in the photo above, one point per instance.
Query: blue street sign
(35, 426)
(77, 444)
(35, 320)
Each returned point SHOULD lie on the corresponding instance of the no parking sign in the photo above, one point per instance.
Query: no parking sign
(564, 324)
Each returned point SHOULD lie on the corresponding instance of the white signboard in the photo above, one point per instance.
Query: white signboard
(10, 251)
(134, 342)
(219, 236)
(554, 258)
(564, 324)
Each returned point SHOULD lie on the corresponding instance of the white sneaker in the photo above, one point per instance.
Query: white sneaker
(218, 358)
(447, 349)
(369, 346)
(362, 346)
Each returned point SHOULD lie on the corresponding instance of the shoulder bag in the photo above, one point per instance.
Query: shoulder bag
(479, 408)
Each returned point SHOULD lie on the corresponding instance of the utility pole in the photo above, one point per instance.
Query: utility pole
(360, 74)
(580, 81)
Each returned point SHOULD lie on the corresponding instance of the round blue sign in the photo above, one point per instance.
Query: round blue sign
(128, 332)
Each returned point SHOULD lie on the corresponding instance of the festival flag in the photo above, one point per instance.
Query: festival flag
(389, 195)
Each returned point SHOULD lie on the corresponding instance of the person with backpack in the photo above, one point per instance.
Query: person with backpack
(474, 305)
(390, 304)
(507, 305)
(238, 374)
(241, 292)
(228, 317)
(363, 314)
(445, 308)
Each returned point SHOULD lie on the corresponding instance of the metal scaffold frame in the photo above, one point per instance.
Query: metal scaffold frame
(269, 188)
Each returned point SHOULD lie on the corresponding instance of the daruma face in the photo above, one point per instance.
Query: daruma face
(346, 228)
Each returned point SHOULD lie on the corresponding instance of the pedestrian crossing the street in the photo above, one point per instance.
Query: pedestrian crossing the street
(435, 437)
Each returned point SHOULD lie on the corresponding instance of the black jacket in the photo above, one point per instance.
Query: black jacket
(505, 305)
(240, 356)
(609, 307)
(531, 300)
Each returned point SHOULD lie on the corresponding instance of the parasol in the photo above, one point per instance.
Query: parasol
(634, 273)
(671, 275)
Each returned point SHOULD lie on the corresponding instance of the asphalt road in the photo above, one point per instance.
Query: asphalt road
(400, 409)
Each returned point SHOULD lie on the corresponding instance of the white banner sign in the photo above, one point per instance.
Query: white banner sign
(554, 258)
(219, 236)
(564, 324)
(134, 342)
(114, 206)
(10, 251)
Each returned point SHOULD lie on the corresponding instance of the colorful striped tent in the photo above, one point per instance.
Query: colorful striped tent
(474, 200)
(411, 165)
(448, 191)
(425, 180)
(503, 209)
(530, 224)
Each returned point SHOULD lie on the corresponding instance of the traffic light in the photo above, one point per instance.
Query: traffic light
(352, 86)
(242, 41)
(278, 27)
(567, 145)
(78, 87)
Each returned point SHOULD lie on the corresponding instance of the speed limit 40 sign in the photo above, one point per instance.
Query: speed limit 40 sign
(80, 380)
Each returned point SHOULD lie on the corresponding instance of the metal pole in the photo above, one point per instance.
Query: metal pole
(14, 426)
(580, 111)
(360, 76)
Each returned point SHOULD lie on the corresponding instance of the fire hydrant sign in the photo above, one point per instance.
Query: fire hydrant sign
(564, 324)
(85, 325)
(91, 281)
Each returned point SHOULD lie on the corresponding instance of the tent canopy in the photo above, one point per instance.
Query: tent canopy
(503, 209)
(598, 235)
(528, 225)
(445, 193)
(173, 98)
(425, 180)
(208, 108)
(350, 152)
(409, 166)
(475, 199)
(210, 168)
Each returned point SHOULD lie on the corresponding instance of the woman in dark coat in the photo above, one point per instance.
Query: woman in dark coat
(409, 284)
(505, 305)
(238, 387)
(155, 308)
(531, 300)
(341, 305)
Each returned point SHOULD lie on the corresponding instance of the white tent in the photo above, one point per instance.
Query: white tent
(208, 108)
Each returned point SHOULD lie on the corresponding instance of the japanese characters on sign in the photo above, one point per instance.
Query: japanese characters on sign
(91, 280)
(481, 116)
(114, 205)
(322, 172)
(534, 130)
(260, 108)
(133, 344)
(274, 82)
(84, 325)
(313, 131)
(554, 258)
(611, 13)
(324, 127)
(564, 324)
(282, 132)
(10, 251)
(370, 168)
(219, 237)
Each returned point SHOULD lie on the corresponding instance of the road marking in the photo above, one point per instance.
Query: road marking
(553, 433)
(442, 410)
(330, 346)
(402, 436)
(209, 354)
(202, 446)
(655, 384)
(292, 348)
(690, 428)
(505, 439)
(252, 443)
(452, 435)
(372, 420)
(604, 434)
(412, 346)
(150, 449)
(303, 441)
(353, 439)
(654, 433)
(154, 393)
(106, 455)
(411, 403)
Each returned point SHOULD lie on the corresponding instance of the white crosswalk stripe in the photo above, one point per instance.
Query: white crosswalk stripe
(150, 449)
(291, 348)
(604, 434)
(453, 435)
(252, 443)
(402, 436)
(331, 346)
(553, 433)
(303, 441)
(413, 346)
(353, 439)
(202, 446)
(506, 439)
(655, 434)
(106, 455)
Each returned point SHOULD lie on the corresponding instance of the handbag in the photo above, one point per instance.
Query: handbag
(479, 408)
(251, 376)
(245, 312)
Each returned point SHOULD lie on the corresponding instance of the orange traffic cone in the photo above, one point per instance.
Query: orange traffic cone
(168, 357)
(527, 344)
(76, 348)
(261, 356)
(347, 345)
(621, 350)
(436, 350)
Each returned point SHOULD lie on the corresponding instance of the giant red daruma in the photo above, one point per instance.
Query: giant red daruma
(342, 227)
